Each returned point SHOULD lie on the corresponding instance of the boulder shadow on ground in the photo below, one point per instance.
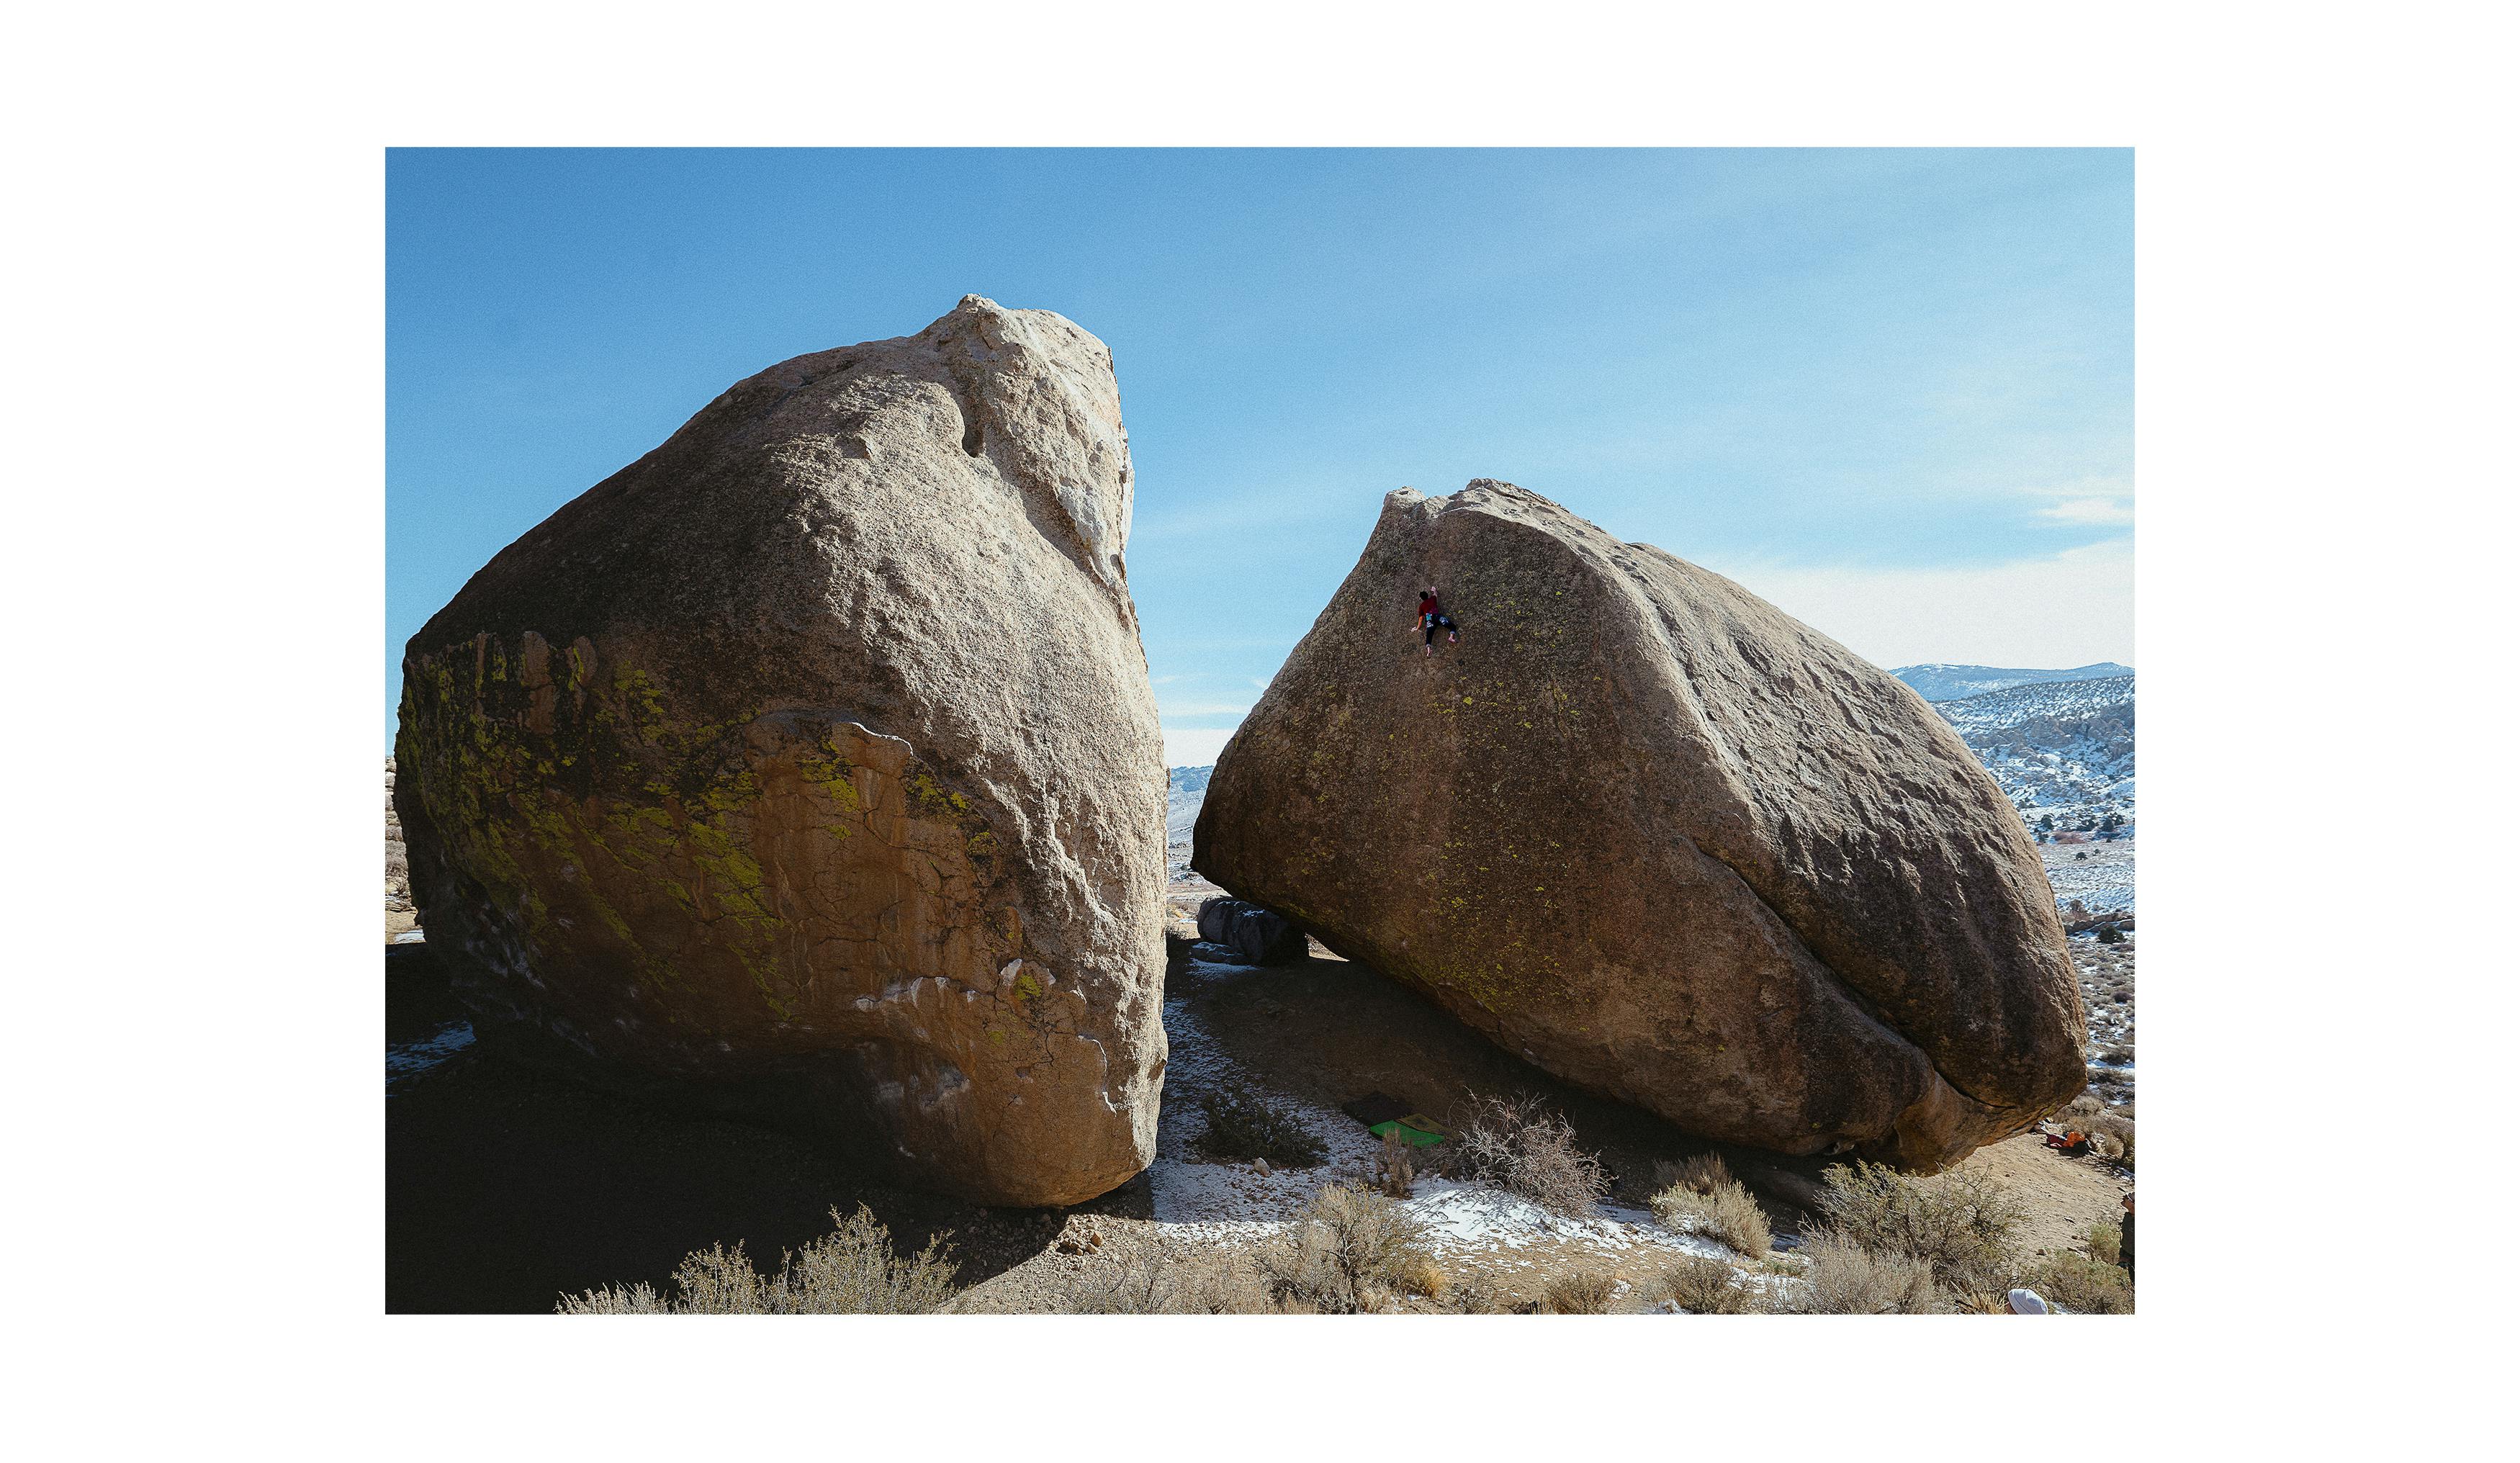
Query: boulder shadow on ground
(1330, 1030)
(507, 1185)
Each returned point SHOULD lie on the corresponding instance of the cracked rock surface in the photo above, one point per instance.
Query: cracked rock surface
(810, 761)
(1647, 833)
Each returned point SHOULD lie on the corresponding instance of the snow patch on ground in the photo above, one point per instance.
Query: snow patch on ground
(1233, 1205)
(1480, 1217)
(2104, 880)
(406, 1061)
(1189, 1191)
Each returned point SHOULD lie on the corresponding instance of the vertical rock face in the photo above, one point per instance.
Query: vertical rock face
(1651, 835)
(812, 757)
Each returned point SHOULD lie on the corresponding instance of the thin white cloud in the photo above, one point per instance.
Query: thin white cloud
(2106, 501)
(2091, 511)
(2055, 610)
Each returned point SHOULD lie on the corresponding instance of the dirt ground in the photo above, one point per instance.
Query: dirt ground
(2064, 1195)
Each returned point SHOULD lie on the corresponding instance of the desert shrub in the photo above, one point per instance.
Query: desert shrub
(1728, 1214)
(851, 1270)
(2109, 934)
(1350, 1250)
(1158, 1279)
(2100, 1241)
(1960, 1223)
(1704, 1287)
(1702, 1172)
(1394, 1170)
(1241, 1125)
(2083, 1106)
(1471, 1295)
(1418, 1274)
(636, 1298)
(2114, 1130)
(1523, 1147)
(1842, 1278)
(1699, 1195)
(1776, 1264)
(1582, 1293)
(2083, 1284)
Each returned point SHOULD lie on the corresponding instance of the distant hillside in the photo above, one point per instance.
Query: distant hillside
(1953, 683)
(1189, 790)
(2050, 700)
(2061, 750)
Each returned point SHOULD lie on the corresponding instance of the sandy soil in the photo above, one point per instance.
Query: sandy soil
(2064, 1195)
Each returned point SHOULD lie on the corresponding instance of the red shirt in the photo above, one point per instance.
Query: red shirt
(1426, 605)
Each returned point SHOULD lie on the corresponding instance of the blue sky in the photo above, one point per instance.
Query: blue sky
(1891, 390)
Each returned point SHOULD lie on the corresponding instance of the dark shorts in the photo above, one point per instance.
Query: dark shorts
(1435, 623)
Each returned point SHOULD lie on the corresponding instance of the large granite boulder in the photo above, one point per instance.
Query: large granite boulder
(810, 762)
(1256, 936)
(1654, 836)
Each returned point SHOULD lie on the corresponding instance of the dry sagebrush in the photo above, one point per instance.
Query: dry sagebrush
(851, 1270)
(1582, 1293)
(2083, 1284)
(1700, 1196)
(1350, 1250)
(1960, 1224)
(1841, 1277)
(1241, 1125)
(1522, 1147)
(1702, 1286)
(1158, 1279)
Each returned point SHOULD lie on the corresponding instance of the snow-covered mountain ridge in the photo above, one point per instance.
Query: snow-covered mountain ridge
(1939, 682)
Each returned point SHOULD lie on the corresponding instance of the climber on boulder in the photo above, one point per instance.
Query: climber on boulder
(1432, 618)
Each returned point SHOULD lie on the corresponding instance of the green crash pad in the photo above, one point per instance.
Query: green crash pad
(1417, 1131)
